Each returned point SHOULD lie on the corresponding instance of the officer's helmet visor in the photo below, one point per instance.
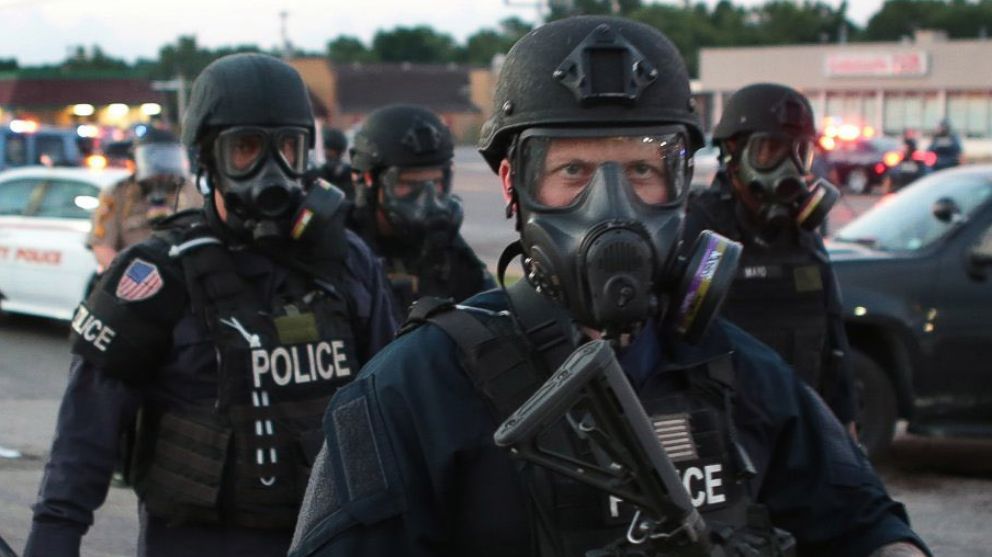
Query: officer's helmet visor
(408, 184)
(161, 160)
(559, 164)
(242, 149)
(767, 151)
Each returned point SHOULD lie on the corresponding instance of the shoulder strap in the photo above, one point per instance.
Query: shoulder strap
(495, 361)
(211, 279)
(721, 374)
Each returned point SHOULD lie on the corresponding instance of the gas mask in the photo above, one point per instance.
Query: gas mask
(161, 170)
(259, 171)
(601, 220)
(419, 206)
(773, 169)
(161, 193)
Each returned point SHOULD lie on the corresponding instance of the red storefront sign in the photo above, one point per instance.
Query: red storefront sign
(909, 63)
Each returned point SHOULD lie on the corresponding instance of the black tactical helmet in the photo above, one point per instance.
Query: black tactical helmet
(244, 90)
(401, 135)
(766, 107)
(335, 139)
(589, 70)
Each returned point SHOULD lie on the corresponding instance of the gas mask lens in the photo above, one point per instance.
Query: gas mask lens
(768, 151)
(559, 165)
(242, 149)
(410, 184)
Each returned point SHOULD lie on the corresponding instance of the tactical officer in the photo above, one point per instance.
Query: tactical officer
(128, 210)
(946, 145)
(335, 170)
(591, 137)
(223, 335)
(764, 197)
(405, 209)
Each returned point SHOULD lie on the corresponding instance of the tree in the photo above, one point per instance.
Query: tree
(347, 49)
(414, 44)
(775, 22)
(565, 8)
(186, 58)
(958, 18)
(787, 22)
(94, 59)
(486, 43)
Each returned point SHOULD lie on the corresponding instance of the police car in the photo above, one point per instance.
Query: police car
(45, 266)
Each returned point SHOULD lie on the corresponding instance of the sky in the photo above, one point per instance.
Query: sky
(43, 31)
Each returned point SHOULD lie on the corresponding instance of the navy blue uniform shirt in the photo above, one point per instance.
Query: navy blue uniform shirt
(96, 409)
(410, 467)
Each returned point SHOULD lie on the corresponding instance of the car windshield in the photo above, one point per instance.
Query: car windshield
(905, 221)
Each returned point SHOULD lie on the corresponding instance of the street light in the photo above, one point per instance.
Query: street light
(117, 110)
(151, 109)
(83, 109)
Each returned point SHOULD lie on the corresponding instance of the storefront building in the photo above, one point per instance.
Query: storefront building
(892, 87)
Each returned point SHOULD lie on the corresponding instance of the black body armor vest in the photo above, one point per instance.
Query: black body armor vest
(779, 297)
(244, 459)
(690, 409)
(452, 273)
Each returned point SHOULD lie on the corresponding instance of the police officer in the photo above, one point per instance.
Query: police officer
(335, 170)
(785, 293)
(405, 209)
(591, 136)
(946, 145)
(159, 185)
(223, 335)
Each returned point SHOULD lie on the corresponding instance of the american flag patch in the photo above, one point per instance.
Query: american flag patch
(675, 434)
(140, 281)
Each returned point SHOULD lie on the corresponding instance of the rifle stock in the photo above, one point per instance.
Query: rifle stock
(591, 385)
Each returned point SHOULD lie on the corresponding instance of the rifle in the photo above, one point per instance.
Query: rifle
(592, 393)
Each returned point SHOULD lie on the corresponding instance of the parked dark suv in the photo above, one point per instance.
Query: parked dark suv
(916, 276)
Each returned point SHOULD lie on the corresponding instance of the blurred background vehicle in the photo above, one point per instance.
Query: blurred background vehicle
(26, 143)
(915, 274)
(855, 156)
(45, 266)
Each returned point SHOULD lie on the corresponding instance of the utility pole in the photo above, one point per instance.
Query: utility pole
(287, 47)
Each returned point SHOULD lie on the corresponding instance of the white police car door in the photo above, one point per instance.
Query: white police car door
(16, 197)
(54, 266)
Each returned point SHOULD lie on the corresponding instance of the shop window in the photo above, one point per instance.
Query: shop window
(970, 113)
(913, 112)
(978, 116)
(870, 105)
(932, 113)
(894, 120)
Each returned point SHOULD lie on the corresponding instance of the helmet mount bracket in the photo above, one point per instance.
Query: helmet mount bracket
(605, 68)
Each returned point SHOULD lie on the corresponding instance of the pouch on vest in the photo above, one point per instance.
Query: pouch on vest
(186, 472)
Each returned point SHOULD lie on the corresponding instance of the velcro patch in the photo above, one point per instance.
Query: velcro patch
(140, 281)
(363, 469)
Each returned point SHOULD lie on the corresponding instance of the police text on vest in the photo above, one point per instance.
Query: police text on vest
(301, 363)
(91, 329)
